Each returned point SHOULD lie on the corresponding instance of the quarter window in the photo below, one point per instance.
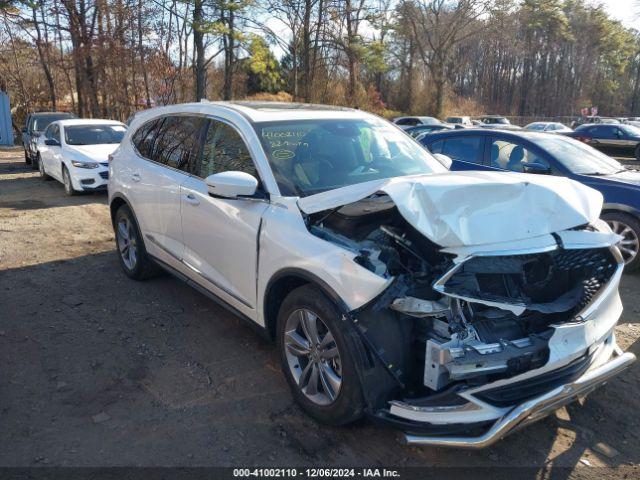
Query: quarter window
(223, 151)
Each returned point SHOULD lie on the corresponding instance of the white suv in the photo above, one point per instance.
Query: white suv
(442, 303)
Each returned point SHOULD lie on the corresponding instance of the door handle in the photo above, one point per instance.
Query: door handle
(191, 199)
(135, 177)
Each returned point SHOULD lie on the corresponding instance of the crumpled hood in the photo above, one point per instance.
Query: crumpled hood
(95, 153)
(475, 208)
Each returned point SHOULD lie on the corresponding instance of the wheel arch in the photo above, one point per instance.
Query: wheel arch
(284, 282)
(620, 208)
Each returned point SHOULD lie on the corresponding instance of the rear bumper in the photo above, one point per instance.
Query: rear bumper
(534, 409)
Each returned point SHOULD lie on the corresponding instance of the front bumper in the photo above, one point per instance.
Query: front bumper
(534, 409)
(85, 179)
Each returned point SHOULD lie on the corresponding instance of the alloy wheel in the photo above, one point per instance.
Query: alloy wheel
(127, 243)
(313, 357)
(630, 244)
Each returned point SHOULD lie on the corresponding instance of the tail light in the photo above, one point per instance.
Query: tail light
(582, 139)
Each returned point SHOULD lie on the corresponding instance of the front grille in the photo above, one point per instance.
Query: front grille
(519, 392)
(560, 281)
(104, 175)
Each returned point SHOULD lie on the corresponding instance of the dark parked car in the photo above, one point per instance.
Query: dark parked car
(551, 154)
(408, 122)
(614, 139)
(35, 124)
(419, 129)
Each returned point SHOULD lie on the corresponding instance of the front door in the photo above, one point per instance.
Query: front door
(221, 234)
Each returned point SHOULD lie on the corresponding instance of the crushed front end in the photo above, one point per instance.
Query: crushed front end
(469, 343)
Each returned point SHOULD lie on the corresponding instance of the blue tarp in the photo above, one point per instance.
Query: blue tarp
(6, 134)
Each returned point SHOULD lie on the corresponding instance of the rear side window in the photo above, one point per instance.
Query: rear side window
(145, 138)
(223, 151)
(178, 142)
(437, 147)
(173, 141)
(464, 149)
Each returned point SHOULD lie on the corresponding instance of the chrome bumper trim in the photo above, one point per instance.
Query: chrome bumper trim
(533, 410)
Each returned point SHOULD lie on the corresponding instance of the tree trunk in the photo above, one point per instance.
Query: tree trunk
(198, 42)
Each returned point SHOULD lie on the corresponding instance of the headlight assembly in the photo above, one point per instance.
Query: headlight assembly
(79, 164)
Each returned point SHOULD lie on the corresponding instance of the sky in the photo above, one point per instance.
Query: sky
(627, 11)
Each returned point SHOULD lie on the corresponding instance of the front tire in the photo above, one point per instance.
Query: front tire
(35, 162)
(316, 356)
(68, 185)
(27, 158)
(132, 254)
(628, 227)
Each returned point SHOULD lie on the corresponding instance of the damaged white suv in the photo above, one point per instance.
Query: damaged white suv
(455, 306)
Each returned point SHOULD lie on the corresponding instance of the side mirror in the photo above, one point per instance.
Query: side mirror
(51, 142)
(536, 167)
(444, 160)
(231, 184)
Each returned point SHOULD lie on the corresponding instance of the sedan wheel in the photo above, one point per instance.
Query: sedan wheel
(68, 186)
(127, 245)
(630, 244)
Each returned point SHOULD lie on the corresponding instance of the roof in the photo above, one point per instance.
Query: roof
(276, 111)
(50, 113)
(88, 121)
(526, 134)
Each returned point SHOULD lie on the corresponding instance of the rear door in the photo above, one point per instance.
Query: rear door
(164, 146)
(221, 234)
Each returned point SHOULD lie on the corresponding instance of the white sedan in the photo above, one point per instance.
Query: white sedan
(75, 152)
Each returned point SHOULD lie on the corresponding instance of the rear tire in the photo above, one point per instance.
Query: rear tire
(629, 228)
(43, 174)
(330, 391)
(133, 256)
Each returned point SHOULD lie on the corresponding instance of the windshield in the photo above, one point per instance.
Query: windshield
(93, 134)
(535, 126)
(454, 120)
(630, 130)
(578, 157)
(312, 156)
(39, 124)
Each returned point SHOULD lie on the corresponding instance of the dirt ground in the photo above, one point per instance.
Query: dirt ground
(99, 370)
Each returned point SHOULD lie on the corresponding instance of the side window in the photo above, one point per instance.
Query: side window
(603, 131)
(436, 147)
(178, 142)
(464, 149)
(223, 151)
(55, 133)
(511, 156)
(145, 138)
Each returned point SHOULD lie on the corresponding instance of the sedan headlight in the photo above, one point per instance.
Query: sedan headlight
(79, 164)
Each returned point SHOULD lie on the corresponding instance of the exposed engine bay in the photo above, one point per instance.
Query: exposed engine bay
(460, 321)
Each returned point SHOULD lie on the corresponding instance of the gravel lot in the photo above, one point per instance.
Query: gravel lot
(99, 370)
